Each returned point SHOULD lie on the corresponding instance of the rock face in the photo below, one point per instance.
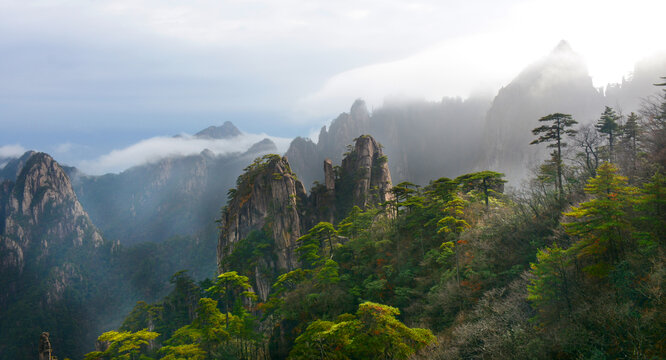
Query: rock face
(45, 350)
(271, 199)
(13, 167)
(41, 214)
(49, 250)
(366, 170)
(424, 140)
(557, 83)
(267, 198)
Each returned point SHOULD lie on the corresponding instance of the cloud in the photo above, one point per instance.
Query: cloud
(157, 148)
(487, 59)
(10, 151)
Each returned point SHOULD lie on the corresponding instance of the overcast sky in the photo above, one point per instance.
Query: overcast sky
(81, 78)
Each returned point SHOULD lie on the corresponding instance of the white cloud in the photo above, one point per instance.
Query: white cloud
(488, 59)
(64, 148)
(157, 148)
(15, 150)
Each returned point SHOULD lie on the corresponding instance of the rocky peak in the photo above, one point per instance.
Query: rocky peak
(264, 146)
(13, 167)
(41, 213)
(225, 131)
(269, 198)
(266, 199)
(559, 82)
(365, 169)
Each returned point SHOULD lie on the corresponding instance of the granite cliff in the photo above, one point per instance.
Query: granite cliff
(48, 251)
(269, 199)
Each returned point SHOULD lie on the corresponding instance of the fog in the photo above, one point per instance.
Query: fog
(154, 149)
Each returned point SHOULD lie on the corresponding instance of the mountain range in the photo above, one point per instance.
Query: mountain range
(62, 231)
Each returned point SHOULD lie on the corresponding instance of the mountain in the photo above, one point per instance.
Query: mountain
(424, 140)
(176, 196)
(557, 83)
(47, 247)
(269, 210)
(225, 131)
(428, 140)
(13, 166)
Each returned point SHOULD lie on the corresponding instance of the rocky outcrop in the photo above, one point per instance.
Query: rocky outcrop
(267, 198)
(424, 140)
(41, 214)
(13, 167)
(365, 171)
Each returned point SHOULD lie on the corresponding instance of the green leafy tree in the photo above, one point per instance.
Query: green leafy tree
(652, 212)
(227, 285)
(603, 223)
(454, 224)
(374, 333)
(549, 282)
(630, 135)
(488, 182)
(205, 335)
(123, 345)
(608, 124)
(553, 134)
(310, 249)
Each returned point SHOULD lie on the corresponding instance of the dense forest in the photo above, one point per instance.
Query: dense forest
(570, 267)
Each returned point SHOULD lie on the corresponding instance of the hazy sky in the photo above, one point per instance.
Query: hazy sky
(81, 78)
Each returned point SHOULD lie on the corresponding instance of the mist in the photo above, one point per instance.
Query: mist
(157, 148)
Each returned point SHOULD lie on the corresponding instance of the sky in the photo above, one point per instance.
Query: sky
(84, 80)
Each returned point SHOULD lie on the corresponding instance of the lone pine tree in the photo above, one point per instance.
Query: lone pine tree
(560, 125)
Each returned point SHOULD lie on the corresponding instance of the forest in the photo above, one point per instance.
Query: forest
(570, 266)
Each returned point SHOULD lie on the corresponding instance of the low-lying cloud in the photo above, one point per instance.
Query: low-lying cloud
(157, 148)
(11, 151)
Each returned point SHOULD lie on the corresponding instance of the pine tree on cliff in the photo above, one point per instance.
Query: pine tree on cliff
(560, 125)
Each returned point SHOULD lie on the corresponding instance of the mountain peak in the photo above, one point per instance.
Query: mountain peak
(562, 47)
(264, 146)
(225, 131)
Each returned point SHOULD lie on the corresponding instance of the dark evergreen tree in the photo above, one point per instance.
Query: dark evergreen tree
(608, 124)
(553, 134)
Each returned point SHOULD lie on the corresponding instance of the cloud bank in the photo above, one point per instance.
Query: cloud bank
(157, 148)
(11, 151)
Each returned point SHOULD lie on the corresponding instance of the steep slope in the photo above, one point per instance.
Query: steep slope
(267, 199)
(13, 166)
(269, 210)
(557, 83)
(45, 239)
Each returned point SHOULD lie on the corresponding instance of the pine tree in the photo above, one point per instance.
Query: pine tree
(603, 223)
(553, 134)
(489, 182)
(630, 132)
(608, 124)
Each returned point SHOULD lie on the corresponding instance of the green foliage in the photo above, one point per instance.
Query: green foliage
(489, 182)
(554, 135)
(603, 223)
(374, 333)
(123, 345)
(316, 244)
(608, 124)
(549, 285)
